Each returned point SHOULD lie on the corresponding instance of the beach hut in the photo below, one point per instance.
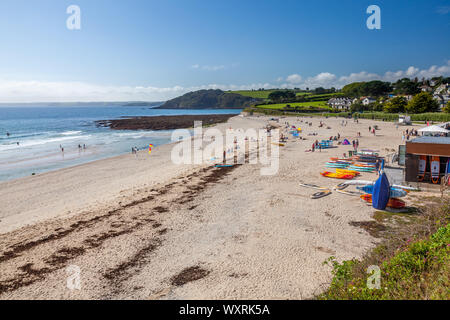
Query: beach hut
(427, 157)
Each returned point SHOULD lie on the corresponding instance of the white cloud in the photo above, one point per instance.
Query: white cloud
(324, 79)
(41, 91)
(209, 68)
(45, 91)
(294, 78)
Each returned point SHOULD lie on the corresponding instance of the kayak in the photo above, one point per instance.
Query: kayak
(361, 169)
(381, 192)
(395, 193)
(346, 171)
(366, 182)
(224, 165)
(392, 203)
(312, 186)
(328, 174)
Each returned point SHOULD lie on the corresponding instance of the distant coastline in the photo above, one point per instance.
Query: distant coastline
(84, 104)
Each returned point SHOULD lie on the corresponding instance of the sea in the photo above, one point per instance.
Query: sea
(31, 137)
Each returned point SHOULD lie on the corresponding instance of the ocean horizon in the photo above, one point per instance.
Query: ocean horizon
(32, 135)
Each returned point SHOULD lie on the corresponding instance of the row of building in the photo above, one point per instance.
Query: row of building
(441, 94)
(345, 103)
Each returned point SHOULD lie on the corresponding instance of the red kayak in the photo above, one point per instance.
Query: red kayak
(393, 202)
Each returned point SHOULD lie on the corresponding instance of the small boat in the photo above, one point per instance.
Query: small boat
(381, 192)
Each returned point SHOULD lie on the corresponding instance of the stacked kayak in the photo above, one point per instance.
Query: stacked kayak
(361, 168)
(392, 203)
(337, 164)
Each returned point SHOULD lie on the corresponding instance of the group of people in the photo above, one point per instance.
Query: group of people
(408, 133)
(80, 147)
(8, 134)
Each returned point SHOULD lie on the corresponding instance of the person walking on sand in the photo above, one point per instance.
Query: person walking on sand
(370, 129)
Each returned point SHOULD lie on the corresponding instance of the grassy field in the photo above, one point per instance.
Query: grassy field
(320, 104)
(254, 94)
(262, 94)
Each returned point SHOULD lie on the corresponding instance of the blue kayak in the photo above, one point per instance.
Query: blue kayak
(381, 192)
(224, 165)
(395, 192)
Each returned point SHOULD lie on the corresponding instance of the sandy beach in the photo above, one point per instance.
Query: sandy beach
(146, 228)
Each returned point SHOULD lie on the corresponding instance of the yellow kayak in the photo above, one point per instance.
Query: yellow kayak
(345, 171)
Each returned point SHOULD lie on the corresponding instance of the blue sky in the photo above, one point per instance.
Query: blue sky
(154, 50)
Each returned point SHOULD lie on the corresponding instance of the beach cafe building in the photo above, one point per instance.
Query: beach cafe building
(434, 145)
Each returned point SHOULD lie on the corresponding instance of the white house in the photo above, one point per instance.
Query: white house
(367, 100)
(340, 103)
(442, 99)
(426, 88)
(442, 89)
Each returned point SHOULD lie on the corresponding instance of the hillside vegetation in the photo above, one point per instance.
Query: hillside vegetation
(209, 99)
(413, 259)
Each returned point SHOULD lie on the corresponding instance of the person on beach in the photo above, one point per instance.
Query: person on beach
(313, 147)
(370, 129)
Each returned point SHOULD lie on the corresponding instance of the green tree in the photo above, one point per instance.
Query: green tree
(395, 105)
(282, 95)
(357, 107)
(422, 102)
(447, 108)
(372, 88)
(406, 86)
